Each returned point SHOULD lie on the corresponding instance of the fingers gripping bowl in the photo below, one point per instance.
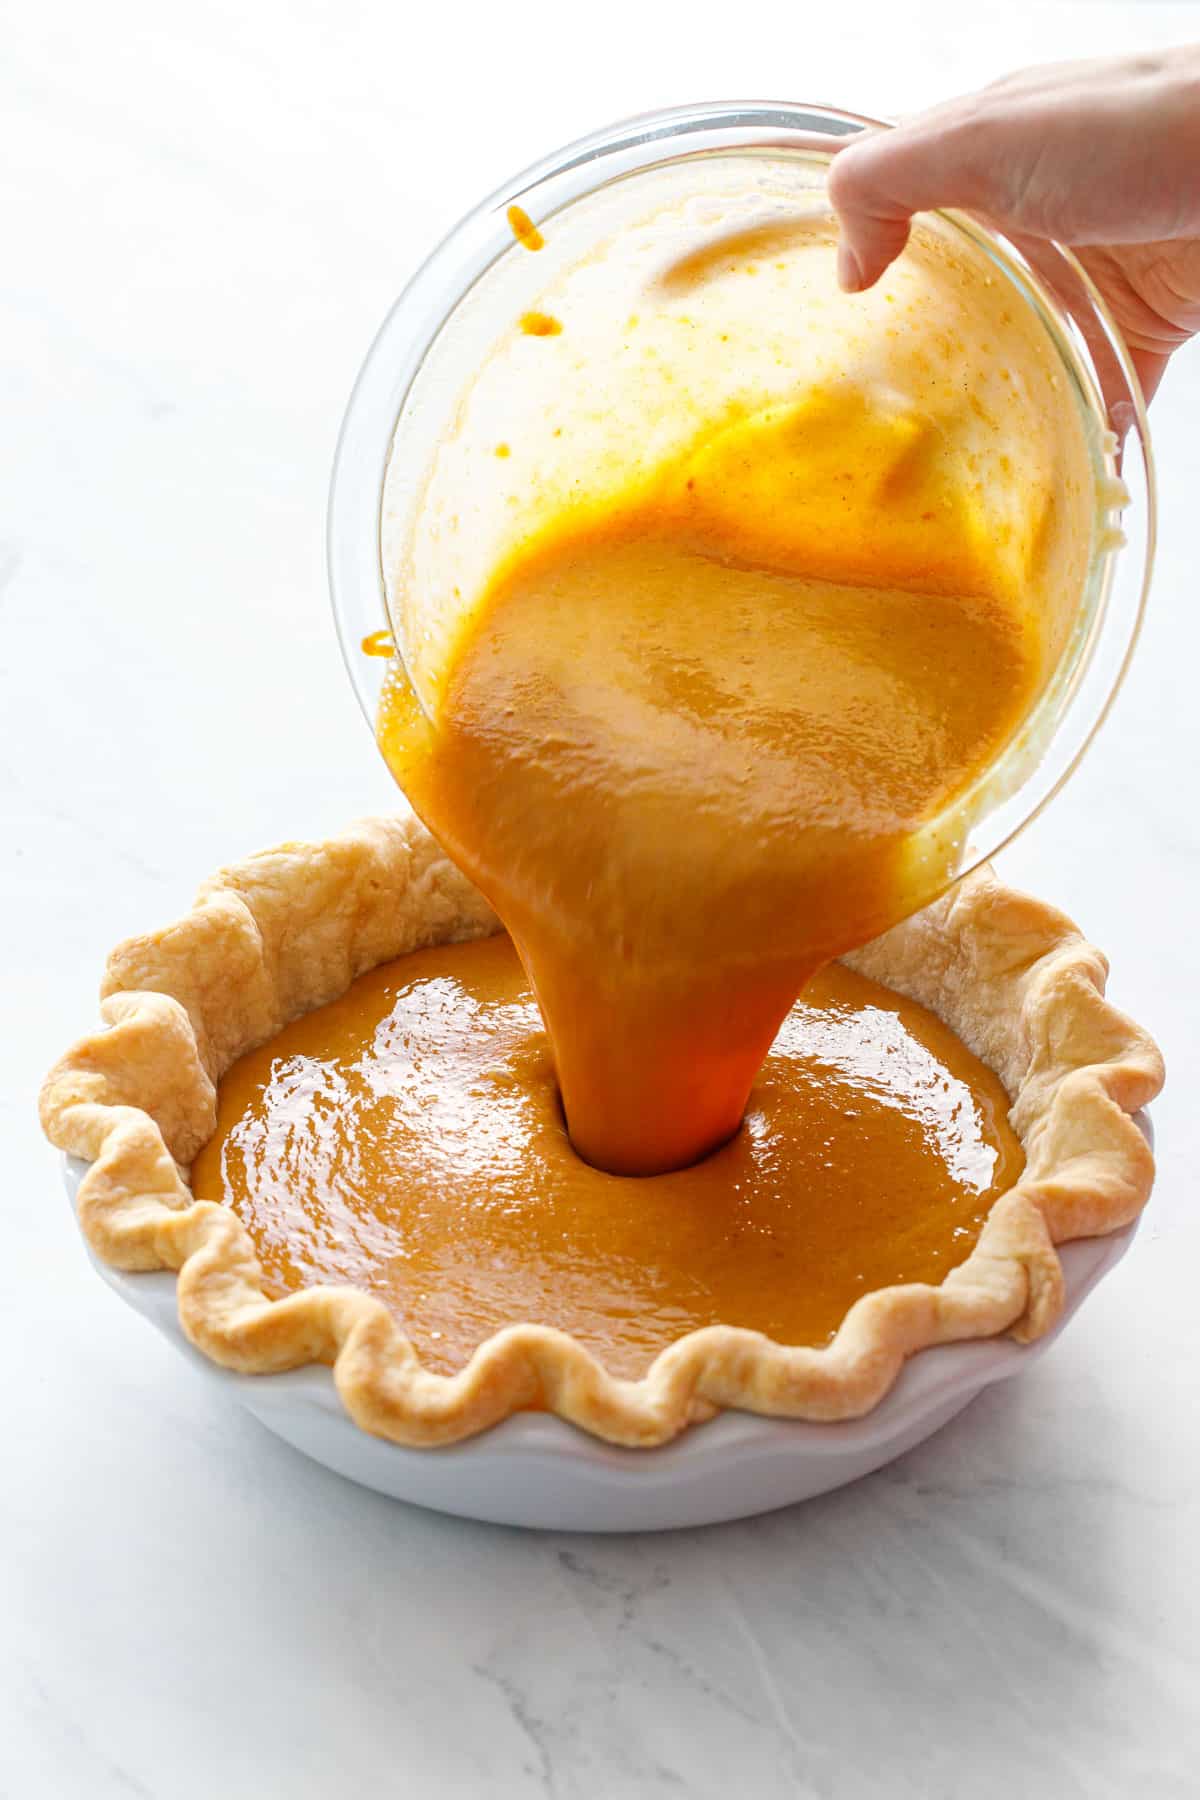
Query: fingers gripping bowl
(630, 216)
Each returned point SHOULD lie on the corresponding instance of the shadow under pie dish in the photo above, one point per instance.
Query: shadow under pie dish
(285, 933)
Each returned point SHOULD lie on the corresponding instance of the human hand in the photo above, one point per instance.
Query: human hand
(1104, 156)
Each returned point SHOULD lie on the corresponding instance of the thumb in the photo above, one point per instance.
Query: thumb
(877, 183)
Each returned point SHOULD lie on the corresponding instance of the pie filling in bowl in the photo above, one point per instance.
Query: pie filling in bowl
(194, 1016)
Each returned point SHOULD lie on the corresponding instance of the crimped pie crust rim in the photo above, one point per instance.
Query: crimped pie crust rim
(288, 930)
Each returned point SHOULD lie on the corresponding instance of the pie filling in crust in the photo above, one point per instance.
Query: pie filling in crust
(409, 1139)
(272, 940)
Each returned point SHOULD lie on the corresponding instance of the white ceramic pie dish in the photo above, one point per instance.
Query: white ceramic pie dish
(534, 1470)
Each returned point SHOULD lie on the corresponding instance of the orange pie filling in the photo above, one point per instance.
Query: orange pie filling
(693, 737)
(694, 745)
(409, 1139)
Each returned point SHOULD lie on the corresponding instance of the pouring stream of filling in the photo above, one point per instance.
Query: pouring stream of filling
(687, 749)
(700, 673)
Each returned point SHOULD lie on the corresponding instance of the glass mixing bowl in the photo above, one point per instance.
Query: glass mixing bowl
(397, 440)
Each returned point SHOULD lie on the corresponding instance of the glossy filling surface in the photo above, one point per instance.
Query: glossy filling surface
(409, 1139)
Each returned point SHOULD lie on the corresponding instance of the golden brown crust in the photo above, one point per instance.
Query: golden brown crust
(289, 930)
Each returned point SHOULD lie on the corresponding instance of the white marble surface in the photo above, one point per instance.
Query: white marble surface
(206, 211)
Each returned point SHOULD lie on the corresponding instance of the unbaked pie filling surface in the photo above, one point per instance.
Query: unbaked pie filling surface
(409, 1139)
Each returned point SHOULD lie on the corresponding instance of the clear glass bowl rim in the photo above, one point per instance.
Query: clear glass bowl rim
(633, 146)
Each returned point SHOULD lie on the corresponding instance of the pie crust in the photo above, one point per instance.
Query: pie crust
(289, 930)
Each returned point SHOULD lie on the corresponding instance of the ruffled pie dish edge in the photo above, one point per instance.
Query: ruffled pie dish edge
(288, 930)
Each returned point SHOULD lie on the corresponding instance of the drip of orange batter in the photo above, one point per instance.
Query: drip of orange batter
(408, 1139)
(524, 229)
(540, 324)
(694, 745)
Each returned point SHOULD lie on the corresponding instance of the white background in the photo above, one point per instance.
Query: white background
(205, 211)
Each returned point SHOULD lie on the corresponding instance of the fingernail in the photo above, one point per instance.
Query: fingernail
(849, 269)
